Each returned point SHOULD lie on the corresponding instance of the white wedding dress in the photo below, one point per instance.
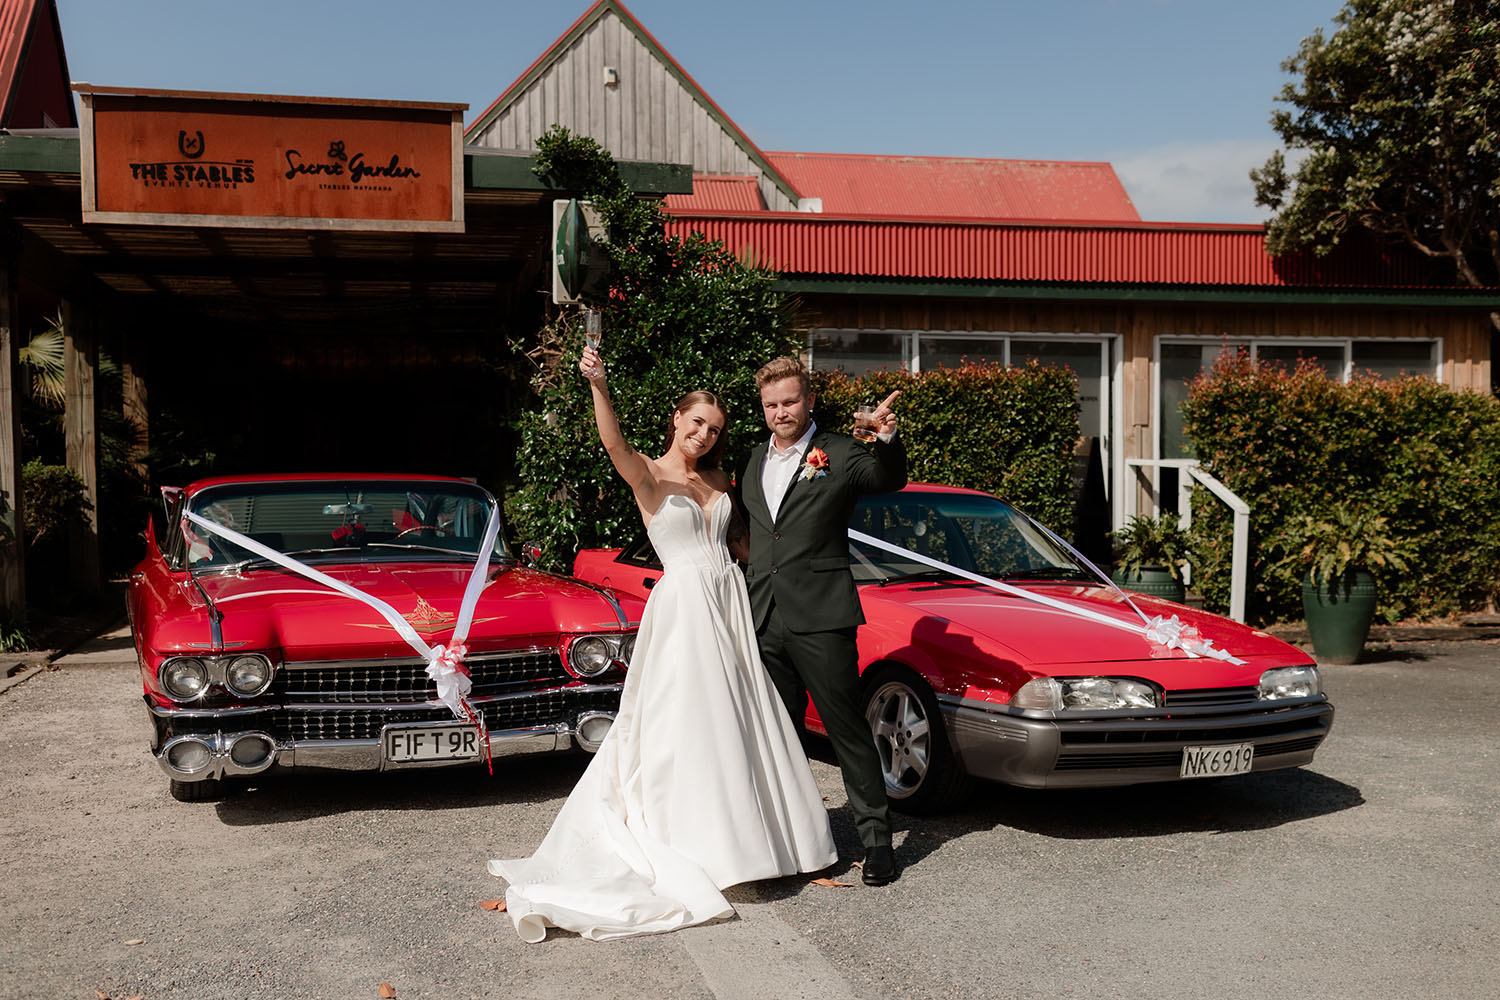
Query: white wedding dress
(701, 783)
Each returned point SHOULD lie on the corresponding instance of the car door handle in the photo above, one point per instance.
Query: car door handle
(648, 583)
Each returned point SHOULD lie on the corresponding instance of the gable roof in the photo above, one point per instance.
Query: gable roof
(602, 10)
(33, 67)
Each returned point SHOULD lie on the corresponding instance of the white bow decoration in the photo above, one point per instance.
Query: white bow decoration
(444, 662)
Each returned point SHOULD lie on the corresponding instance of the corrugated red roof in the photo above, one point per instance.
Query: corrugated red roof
(719, 193)
(945, 249)
(33, 67)
(863, 185)
(15, 20)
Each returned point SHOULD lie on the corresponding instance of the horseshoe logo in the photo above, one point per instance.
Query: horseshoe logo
(191, 148)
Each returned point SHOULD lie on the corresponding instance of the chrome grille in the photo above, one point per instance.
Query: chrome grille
(386, 681)
(305, 724)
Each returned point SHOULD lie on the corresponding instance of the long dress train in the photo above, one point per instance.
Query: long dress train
(701, 782)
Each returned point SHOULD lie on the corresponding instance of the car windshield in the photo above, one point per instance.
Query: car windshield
(333, 519)
(976, 533)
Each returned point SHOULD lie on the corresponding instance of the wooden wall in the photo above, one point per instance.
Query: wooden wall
(648, 115)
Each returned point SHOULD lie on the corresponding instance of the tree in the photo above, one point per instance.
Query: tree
(681, 314)
(1399, 114)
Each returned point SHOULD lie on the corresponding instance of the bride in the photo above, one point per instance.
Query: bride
(701, 783)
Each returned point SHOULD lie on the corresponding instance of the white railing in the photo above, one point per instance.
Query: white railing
(1189, 471)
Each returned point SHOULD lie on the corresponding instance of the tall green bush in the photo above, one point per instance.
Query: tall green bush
(681, 315)
(1007, 431)
(1294, 444)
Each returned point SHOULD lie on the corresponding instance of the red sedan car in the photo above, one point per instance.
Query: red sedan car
(248, 666)
(962, 680)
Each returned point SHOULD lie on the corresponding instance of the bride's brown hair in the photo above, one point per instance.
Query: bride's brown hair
(712, 457)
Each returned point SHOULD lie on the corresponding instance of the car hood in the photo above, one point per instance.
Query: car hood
(273, 609)
(1045, 636)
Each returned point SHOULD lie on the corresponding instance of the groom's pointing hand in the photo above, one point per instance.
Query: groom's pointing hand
(884, 417)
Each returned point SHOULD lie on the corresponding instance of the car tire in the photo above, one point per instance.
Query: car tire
(208, 790)
(921, 774)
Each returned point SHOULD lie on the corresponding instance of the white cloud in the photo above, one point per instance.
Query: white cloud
(1195, 182)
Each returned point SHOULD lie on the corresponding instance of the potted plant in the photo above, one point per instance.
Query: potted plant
(1341, 552)
(1149, 555)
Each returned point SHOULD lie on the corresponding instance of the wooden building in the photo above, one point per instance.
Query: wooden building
(920, 261)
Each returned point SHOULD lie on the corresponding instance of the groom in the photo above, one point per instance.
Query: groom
(797, 491)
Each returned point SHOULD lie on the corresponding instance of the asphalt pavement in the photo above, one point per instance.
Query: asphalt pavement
(1369, 874)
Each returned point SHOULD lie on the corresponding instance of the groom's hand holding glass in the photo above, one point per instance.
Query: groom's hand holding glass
(872, 422)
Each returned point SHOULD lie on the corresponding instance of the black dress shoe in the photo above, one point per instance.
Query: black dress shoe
(880, 866)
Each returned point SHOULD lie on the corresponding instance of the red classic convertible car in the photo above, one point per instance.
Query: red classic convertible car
(963, 680)
(250, 666)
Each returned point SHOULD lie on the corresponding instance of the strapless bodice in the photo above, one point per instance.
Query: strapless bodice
(683, 536)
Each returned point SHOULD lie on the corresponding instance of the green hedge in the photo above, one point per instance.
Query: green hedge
(1293, 443)
(1006, 431)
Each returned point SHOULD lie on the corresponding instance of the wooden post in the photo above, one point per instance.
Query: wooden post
(80, 363)
(13, 553)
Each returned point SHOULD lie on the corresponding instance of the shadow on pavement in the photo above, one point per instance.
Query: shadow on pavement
(295, 798)
(1251, 802)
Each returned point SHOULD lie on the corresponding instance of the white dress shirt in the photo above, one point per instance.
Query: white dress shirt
(780, 466)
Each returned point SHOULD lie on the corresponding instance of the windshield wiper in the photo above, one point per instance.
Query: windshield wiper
(416, 547)
(262, 560)
(1068, 573)
(926, 574)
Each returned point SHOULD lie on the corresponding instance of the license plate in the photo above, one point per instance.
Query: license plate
(1215, 762)
(418, 743)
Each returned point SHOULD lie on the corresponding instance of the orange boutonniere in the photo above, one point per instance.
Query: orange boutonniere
(816, 465)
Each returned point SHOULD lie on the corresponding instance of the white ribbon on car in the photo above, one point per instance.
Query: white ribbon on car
(1166, 633)
(444, 661)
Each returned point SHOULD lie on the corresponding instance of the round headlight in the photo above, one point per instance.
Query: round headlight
(248, 675)
(252, 751)
(184, 679)
(189, 756)
(627, 648)
(1289, 682)
(590, 656)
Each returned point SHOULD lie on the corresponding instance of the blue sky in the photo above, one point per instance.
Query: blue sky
(1175, 93)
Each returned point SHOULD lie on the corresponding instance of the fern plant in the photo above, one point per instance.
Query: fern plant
(1152, 541)
(1344, 540)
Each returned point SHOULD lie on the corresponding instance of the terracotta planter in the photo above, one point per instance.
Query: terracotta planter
(1153, 581)
(1339, 615)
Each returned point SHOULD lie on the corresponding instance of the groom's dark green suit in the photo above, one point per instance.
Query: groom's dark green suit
(806, 607)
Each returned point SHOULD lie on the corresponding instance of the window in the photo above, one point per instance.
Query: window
(857, 352)
(1394, 358)
(1182, 359)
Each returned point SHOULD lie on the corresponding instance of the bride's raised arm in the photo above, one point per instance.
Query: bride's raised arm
(636, 469)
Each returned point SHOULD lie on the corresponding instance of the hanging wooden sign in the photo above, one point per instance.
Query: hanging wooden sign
(182, 158)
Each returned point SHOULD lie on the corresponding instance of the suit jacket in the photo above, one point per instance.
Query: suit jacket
(801, 560)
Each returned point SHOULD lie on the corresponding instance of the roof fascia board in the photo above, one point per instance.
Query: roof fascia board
(40, 154)
(482, 171)
(672, 67)
(1486, 300)
(485, 171)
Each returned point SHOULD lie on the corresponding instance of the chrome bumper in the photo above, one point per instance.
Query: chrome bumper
(218, 729)
(993, 742)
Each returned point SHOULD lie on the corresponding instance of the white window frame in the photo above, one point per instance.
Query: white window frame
(1346, 344)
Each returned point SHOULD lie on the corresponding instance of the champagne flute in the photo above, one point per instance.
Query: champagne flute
(593, 334)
